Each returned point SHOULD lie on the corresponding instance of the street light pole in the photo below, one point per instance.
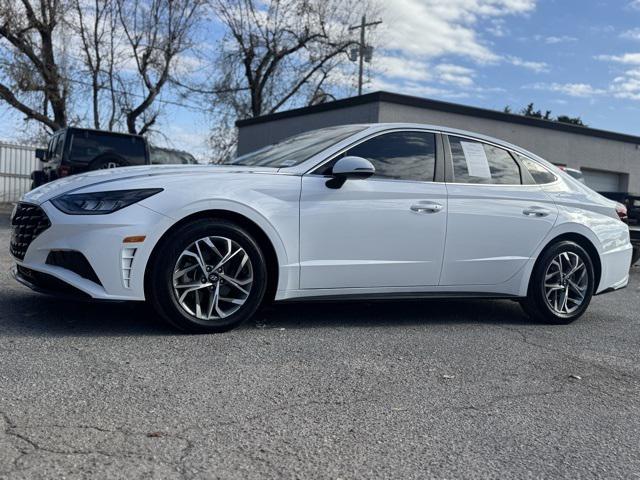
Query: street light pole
(362, 48)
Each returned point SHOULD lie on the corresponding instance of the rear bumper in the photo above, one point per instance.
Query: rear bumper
(622, 284)
(615, 269)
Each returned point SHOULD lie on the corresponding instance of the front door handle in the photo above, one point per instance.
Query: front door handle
(536, 212)
(426, 208)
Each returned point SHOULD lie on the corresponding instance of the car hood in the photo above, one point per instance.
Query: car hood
(75, 182)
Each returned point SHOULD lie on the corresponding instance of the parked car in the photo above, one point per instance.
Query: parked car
(358, 211)
(77, 150)
(168, 156)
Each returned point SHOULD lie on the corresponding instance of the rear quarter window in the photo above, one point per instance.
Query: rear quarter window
(539, 173)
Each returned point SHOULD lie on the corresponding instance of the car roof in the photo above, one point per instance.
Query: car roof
(101, 132)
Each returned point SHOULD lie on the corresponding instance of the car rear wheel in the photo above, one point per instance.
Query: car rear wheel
(210, 276)
(561, 284)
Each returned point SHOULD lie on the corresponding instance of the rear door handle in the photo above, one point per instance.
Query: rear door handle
(426, 208)
(536, 212)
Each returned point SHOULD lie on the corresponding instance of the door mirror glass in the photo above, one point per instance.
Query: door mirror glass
(41, 153)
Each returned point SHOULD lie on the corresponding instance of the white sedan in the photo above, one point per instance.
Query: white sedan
(359, 211)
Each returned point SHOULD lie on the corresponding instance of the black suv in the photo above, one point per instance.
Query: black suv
(75, 150)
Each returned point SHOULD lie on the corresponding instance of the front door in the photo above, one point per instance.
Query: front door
(385, 231)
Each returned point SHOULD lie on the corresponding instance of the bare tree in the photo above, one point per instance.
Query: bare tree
(277, 53)
(156, 32)
(96, 26)
(32, 76)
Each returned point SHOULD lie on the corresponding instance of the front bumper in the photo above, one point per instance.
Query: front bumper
(119, 267)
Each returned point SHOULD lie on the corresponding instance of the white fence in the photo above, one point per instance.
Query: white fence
(16, 164)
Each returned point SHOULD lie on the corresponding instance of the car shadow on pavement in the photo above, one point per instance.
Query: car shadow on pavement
(26, 313)
(396, 313)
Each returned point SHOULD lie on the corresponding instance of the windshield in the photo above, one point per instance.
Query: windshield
(297, 149)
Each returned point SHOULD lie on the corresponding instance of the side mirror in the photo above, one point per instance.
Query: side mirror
(350, 168)
(41, 154)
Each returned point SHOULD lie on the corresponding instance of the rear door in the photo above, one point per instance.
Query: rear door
(384, 231)
(497, 214)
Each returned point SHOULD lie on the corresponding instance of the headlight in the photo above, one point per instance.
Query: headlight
(101, 203)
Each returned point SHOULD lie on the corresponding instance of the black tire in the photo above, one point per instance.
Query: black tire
(636, 254)
(159, 282)
(536, 304)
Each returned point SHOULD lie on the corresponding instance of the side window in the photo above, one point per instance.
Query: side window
(59, 147)
(400, 155)
(540, 174)
(476, 162)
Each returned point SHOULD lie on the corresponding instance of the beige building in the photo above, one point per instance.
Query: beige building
(609, 161)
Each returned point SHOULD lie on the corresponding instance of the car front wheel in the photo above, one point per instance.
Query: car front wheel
(561, 284)
(210, 276)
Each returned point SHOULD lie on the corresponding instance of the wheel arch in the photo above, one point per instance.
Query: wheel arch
(585, 243)
(263, 239)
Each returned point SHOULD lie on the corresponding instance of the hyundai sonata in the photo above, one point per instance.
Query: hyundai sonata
(360, 211)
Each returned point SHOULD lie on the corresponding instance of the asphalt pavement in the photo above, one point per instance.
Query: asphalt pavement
(430, 389)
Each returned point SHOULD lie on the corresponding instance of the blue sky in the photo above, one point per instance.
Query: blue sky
(574, 57)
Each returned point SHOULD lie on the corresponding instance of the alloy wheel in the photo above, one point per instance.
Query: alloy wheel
(565, 283)
(212, 278)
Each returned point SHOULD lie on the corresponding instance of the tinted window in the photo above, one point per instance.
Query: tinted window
(540, 174)
(475, 162)
(295, 150)
(59, 147)
(87, 146)
(54, 149)
(163, 156)
(400, 155)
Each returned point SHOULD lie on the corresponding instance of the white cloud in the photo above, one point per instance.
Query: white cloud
(537, 67)
(399, 67)
(627, 58)
(635, 4)
(582, 90)
(633, 34)
(497, 28)
(455, 75)
(627, 85)
(562, 39)
(422, 39)
(433, 28)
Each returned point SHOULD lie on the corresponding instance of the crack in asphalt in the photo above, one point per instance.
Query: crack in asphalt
(11, 430)
(592, 363)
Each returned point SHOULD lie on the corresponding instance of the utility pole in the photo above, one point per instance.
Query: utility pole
(363, 52)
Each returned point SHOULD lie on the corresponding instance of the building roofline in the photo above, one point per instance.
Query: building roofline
(448, 107)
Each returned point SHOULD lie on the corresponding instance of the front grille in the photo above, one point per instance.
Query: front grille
(27, 222)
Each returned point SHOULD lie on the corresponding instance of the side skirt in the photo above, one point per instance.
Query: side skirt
(359, 297)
